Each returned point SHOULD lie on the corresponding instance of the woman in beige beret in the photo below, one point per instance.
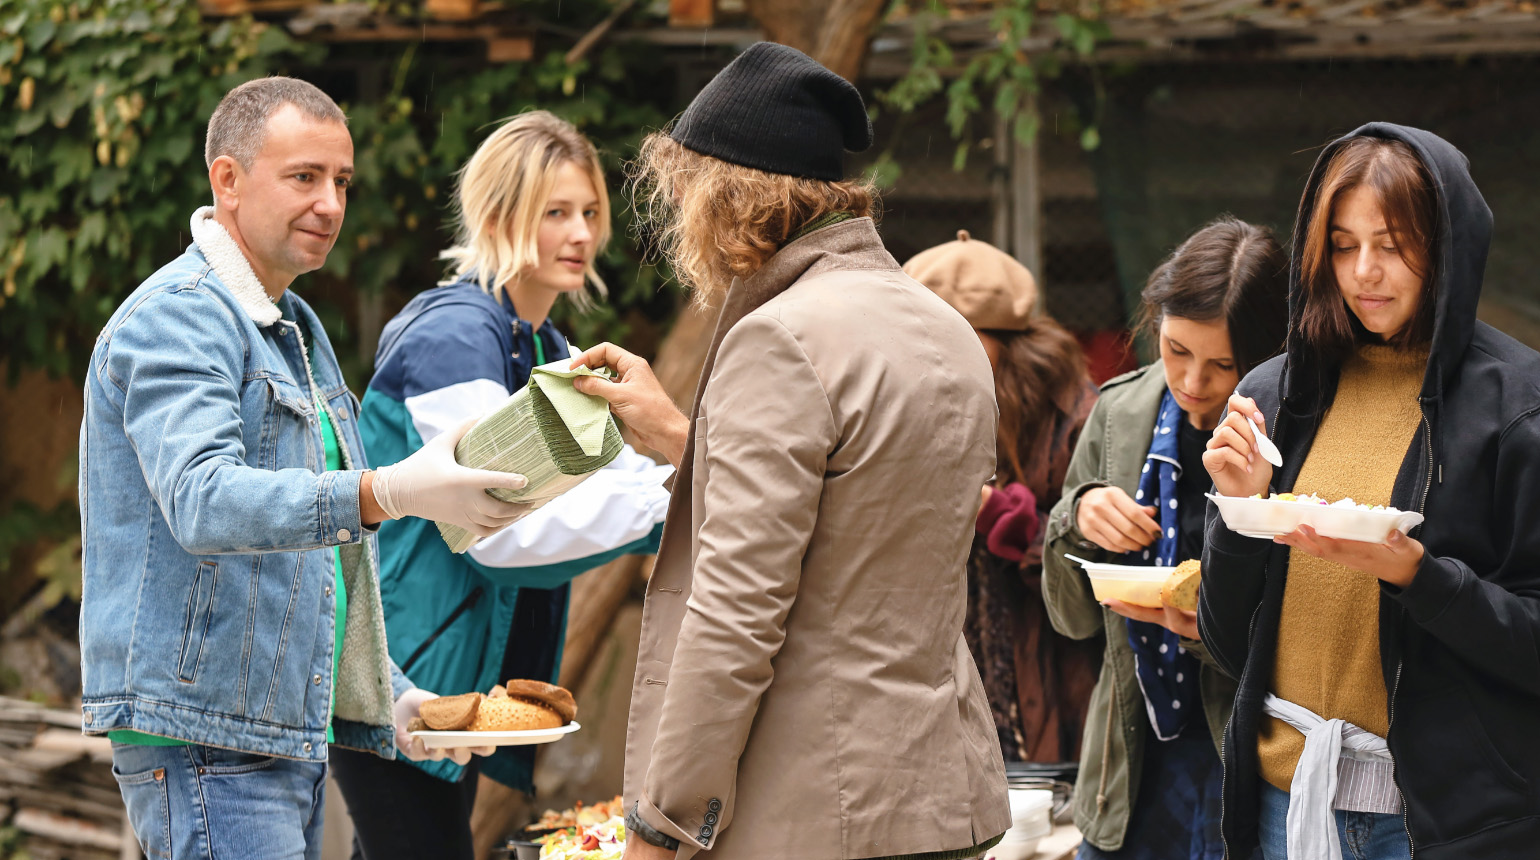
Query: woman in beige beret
(1038, 681)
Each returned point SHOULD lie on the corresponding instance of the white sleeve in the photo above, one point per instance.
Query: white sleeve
(618, 506)
(446, 408)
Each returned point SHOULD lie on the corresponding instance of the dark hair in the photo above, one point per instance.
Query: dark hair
(1229, 270)
(238, 127)
(1401, 184)
(1039, 381)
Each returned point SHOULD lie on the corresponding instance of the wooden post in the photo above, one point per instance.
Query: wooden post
(1027, 205)
(1000, 185)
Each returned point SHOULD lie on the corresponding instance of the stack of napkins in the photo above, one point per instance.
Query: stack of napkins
(549, 432)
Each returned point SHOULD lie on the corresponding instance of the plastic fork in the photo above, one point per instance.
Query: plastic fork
(1265, 446)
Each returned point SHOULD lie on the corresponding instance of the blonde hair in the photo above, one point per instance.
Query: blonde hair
(716, 220)
(502, 195)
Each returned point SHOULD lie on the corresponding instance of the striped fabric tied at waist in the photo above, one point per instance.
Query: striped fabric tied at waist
(1342, 767)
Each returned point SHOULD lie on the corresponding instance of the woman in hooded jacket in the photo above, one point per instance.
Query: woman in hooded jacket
(1389, 693)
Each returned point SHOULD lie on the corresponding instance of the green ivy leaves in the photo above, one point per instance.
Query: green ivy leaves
(1003, 72)
(102, 103)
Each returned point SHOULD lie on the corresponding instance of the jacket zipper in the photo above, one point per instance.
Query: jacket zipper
(465, 606)
(1395, 687)
(1224, 739)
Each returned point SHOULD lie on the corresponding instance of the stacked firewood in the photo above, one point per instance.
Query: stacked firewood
(58, 800)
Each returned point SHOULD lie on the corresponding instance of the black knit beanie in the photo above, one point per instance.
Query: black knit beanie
(776, 109)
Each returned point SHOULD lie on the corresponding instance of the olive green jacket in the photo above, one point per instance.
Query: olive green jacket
(1112, 451)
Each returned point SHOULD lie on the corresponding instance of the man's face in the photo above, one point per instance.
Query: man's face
(289, 205)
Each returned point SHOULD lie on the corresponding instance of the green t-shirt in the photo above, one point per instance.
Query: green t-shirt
(333, 463)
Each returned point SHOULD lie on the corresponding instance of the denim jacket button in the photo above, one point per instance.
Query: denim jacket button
(316, 680)
(344, 535)
(307, 746)
(328, 591)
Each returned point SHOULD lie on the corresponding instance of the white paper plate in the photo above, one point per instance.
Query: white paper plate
(454, 740)
(1268, 518)
(1130, 583)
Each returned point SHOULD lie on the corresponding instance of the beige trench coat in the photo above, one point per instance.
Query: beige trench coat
(803, 688)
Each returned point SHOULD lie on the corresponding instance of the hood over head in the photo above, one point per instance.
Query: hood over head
(1462, 235)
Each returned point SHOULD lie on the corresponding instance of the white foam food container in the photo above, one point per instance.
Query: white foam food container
(1139, 585)
(1268, 518)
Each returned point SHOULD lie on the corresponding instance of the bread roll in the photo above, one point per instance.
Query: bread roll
(1181, 588)
(553, 697)
(450, 713)
(513, 714)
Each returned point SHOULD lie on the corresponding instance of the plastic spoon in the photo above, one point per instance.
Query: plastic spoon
(1265, 446)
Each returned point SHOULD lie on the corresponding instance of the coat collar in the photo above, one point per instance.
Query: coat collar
(232, 267)
(844, 246)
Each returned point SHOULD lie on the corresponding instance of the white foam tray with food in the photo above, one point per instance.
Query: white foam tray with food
(1282, 513)
(454, 740)
(1139, 585)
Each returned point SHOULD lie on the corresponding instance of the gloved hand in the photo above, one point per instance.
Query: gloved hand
(413, 748)
(431, 485)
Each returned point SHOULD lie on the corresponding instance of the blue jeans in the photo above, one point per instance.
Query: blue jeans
(207, 803)
(1363, 835)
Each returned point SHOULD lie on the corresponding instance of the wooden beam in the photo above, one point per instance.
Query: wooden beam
(453, 10)
(691, 13)
(510, 49)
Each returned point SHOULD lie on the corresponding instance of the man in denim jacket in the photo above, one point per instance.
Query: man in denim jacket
(230, 623)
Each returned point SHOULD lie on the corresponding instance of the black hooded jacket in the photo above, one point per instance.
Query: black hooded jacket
(1460, 646)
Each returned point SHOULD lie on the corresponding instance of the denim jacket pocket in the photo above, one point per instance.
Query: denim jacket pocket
(200, 607)
(280, 426)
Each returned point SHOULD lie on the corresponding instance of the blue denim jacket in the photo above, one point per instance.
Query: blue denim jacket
(208, 522)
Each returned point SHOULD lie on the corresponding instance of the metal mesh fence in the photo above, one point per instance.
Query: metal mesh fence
(1182, 143)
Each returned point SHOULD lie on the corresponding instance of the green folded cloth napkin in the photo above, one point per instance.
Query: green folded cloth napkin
(549, 432)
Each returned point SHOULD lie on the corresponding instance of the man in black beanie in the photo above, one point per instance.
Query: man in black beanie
(803, 688)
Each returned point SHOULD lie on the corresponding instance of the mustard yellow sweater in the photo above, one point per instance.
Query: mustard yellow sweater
(1329, 636)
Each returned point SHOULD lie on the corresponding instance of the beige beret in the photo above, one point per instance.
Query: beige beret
(986, 285)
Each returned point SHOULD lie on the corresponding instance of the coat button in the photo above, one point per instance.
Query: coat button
(344, 535)
(307, 746)
(711, 818)
(715, 805)
(705, 834)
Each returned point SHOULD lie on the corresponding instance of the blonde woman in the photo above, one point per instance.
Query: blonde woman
(803, 688)
(532, 213)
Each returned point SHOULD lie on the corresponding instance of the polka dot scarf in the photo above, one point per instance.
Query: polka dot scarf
(1168, 675)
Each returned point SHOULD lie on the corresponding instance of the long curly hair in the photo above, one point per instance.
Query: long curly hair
(714, 221)
(1039, 384)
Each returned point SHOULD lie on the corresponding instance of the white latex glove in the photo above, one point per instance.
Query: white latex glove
(413, 748)
(431, 485)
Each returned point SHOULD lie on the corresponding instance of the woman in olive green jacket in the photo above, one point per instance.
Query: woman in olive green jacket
(1150, 773)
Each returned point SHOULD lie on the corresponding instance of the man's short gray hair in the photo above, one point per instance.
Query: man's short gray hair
(238, 127)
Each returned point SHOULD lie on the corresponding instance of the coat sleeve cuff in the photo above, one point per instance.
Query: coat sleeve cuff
(1434, 589)
(1063, 523)
(399, 683)
(689, 842)
(341, 522)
